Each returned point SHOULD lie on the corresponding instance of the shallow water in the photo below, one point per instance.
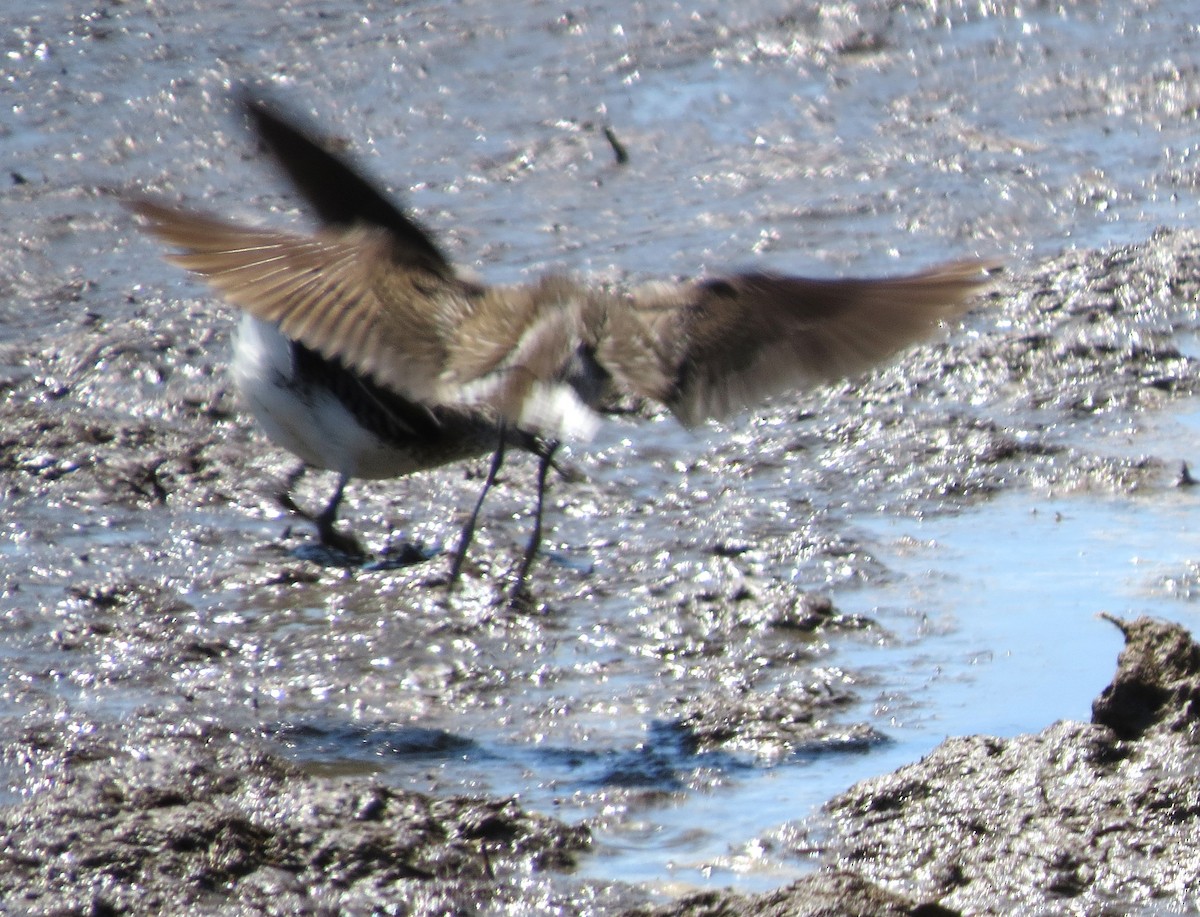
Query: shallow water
(863, 137)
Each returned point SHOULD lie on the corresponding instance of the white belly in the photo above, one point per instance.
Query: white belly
(306, 420)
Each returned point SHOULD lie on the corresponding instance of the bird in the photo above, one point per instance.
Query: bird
(453, 366)
(326, 413)
(333, 418)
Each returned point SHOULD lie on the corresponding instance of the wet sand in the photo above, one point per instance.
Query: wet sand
(201, 720)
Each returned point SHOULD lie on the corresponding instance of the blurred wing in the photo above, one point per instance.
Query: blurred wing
(324, 291)
(340, 194)
(742, 338)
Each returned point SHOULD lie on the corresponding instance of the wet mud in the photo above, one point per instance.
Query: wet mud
(1081, 818)
(198, 719)
(1090, 818)
(167, 813)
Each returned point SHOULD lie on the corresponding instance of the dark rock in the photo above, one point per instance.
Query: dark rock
(1157, 686)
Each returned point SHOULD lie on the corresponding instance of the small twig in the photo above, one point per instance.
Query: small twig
(1185, 477)
(618, 148)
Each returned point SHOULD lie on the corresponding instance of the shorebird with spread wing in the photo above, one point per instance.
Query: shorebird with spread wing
(364, 351)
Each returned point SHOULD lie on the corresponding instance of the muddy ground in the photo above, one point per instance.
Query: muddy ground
(199, 720)
(183, 801)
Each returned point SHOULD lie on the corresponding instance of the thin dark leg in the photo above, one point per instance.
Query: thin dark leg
(326, 533)
(324, 521)
(284, 497)
(468, 531)
(535, 537)
(329, 536)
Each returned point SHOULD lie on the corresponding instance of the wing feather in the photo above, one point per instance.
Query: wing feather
(324, 290)
(730, 342)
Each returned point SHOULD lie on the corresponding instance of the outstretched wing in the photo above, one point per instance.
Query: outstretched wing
(730, 342)
(338, 292)
(506, 353)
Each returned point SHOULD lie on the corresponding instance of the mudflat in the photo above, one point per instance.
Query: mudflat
(199, 719)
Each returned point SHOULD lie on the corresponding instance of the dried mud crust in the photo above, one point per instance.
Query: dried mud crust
(182, 817)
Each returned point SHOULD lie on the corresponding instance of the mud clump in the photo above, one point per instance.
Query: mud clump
(837, 894)
(1080, 818)
(157, 818)
(1157, 687)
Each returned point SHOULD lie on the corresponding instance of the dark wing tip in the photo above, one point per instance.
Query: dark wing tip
(336, 188)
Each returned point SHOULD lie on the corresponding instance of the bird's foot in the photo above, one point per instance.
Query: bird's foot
(406, 554)
(283, 496)
(334, 540)
(520, 598)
